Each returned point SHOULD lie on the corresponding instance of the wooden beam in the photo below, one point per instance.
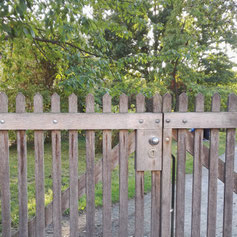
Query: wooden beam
(79, 121)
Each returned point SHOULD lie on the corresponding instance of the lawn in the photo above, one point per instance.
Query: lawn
(81, 169)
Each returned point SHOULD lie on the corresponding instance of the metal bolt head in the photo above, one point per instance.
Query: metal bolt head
(154, 140)
(141, 120)
(167, 120)
(157, 120)
(167, 139)
(185, 121)
(2, 121)
(55, 121)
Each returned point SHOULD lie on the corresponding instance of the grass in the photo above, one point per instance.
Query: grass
(81, 169)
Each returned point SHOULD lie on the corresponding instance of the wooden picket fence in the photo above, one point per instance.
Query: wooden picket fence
(162, 122)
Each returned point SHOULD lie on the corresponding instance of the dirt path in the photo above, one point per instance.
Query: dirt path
(188, 205)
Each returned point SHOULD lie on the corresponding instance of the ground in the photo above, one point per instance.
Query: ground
(188, 204)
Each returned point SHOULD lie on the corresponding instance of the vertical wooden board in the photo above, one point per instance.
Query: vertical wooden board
(90, 172)
(180, 174)
(166, 172)
(73, 171)
(197, 172)
(229, 172)
(106, 173)
(123, 172)
(156, 183)
(5, 173)
(139, 182)
(39, 172)
(213, 173)
(22, 171)
(56, 172)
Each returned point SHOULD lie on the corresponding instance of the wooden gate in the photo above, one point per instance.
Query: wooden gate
(152, 142)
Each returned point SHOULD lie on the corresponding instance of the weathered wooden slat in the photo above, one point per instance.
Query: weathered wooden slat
(139, 182)
(4, 172)
(229, 170)
(123, 172)
(166, 173)
(201, 120)
(205, 161)
(197, 172)
(56, 172)
(39, 173)
(90, 172)
(78, 121)
(156, 183)
(22, 171)
(73, 173)
(107, 139)
(213, 173)
(180, 176)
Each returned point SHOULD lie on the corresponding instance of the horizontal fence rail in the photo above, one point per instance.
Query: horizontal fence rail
(79, 121)
(200, 120)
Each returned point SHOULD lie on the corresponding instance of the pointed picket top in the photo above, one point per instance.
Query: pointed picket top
(183, 102)
(107, 103)
(123, 103)
(55, 102)
(3, 102)
(216, 102)
(232, 102)
(90, 103)
(157, 103)
(199, 102)
(38, 103)
(20, 103)
(72, 101)
(140, 103)
(167, 102)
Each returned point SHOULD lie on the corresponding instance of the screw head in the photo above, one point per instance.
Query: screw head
(185, 121)
(167, 139)
(55, 121)
(2, 121)
(157, 120)
(141, 120)
(167, 120)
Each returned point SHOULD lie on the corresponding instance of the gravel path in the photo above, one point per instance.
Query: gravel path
(188, 205)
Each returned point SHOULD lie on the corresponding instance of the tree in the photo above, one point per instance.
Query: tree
(129, 46)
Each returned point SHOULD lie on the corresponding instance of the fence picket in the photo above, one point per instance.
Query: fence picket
(22, 171)
(166, 172)
(180, 178)
(39, 172)
(73, 170)
(197, 172)
(90, 172)
(229, 171)
(107, 138)
(139, 182)
(56, 172)
(5, 173)
(123, 172)
(213, 173)
(156, 183)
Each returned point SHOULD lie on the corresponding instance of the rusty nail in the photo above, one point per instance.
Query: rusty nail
(167, 139)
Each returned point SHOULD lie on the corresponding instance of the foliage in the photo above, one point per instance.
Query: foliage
(117, 46)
